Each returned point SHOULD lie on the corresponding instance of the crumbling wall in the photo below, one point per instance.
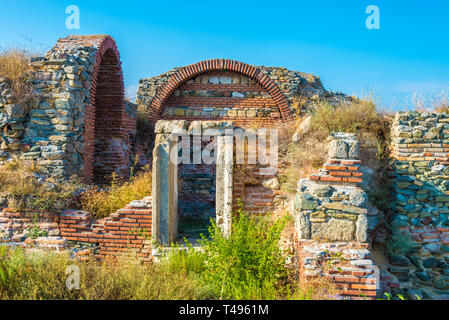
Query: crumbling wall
(76, 122)
(419, 221)
(332, 224)
(127, 231)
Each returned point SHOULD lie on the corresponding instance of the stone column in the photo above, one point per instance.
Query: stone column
(225, 167)
(165, 190)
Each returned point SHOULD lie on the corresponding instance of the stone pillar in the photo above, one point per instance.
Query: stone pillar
(165, 190)
(330, 205)
(330, 217)
(225, 167)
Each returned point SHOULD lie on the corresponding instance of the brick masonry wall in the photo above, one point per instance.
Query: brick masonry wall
(196, 192)
(221, 95)
(420, 207)
(14, 224)
(239, 81)
(251, 187)
(347, 265)
(127, 231)
(123, 232)
(155, 92)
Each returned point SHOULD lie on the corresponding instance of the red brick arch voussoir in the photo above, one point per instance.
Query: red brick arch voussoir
(202, 67)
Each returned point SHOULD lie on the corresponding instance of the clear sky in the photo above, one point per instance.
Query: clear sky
(328, 38)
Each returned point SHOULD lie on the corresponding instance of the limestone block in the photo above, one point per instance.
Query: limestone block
(179, 112)
(214, 80)
(307, 202)
(252, 113)
(362, 228)
(225, 80)
(358, 198)
(334, 230)
(303, 225)
(232, 113)
(53, 155)
(236, 94)
(303, 129)
(343, 146)
(345, 208)
(235, 80)
(175, 126)
(242, 113)
(272, 183)
(63, 104)
(14, 111)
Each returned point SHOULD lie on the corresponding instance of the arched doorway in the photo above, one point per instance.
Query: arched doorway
(106, 141)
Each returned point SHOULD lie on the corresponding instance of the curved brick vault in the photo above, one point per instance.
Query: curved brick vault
(104, 115)
(188, 72)
(107, 126)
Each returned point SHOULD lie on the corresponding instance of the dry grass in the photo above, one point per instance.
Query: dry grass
(22, 185)
(101, 203)
(25, 189)
(348, 117)
(43, 276)
(14, 66)
(144, 126)
(317, 288)
(432, 102)
(310, 153)
(301, 158)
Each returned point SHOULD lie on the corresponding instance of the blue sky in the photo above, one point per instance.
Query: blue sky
(409, 54)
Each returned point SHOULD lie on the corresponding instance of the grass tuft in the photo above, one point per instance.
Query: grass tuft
(102, 202)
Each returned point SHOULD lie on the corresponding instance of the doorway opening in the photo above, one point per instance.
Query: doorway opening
(196, 199)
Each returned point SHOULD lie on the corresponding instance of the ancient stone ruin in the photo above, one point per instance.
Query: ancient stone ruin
(77, 123)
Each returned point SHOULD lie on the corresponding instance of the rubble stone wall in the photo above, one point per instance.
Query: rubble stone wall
(76, 121)
(332, 224)
(419, 221)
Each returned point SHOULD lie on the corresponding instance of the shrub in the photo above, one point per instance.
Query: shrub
(303, 159)
(436, 101)
(103, 202)
(14, 63)
(247, 264)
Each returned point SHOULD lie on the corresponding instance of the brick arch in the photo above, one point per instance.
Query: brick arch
(104, 115)
(202, 67)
